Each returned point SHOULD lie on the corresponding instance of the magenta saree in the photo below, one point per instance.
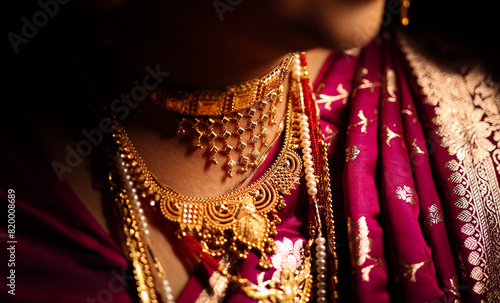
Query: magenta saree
(420, 182)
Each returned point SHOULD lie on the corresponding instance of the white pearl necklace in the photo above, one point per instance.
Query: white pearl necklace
(143, 226)
(311, 184)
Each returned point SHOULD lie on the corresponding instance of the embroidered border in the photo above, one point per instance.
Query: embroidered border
(467, 114)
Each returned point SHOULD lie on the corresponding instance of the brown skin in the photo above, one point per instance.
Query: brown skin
(206, 53)
(247, 43)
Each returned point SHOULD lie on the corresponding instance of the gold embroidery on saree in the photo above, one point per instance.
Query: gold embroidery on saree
(411, 269)
(389, 134)
(467, 116)
(360, 246)
(434, 216)
(330, 134)
(415, 149)
(363, 123)
(452, 288)
(351, 153)
(365, 83)
(328, 100)
(406, 194)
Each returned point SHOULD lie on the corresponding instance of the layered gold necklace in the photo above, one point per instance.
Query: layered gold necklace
(229, 225)
(237, 222)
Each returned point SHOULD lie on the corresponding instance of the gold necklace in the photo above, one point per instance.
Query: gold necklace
(235, 222)
(239, 137)
(222, 102)
(232, 123)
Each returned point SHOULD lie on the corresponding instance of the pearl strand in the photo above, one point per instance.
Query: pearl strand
(321, 285)
(312, 191)
(142, 221)
(305, 138)
(311, 184)
(306, 156)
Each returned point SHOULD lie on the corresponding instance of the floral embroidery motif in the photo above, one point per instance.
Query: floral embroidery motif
(351, 153)
(328, 100)
(411, 269)
(292, 280)
(390, 135)
(365, 83)
(360, 246)
(288, 255)
(363, 123)
(406, 194)
(435, 215)
(467, 115)
(415, 149)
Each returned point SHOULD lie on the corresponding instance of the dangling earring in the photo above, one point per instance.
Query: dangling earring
(405, 4)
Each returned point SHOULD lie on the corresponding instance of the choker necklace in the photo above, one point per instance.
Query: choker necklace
(232, 124)
(222, 102)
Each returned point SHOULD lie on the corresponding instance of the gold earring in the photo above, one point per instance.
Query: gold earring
(405, 5)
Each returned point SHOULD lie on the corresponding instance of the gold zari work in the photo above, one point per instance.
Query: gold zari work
(236, 222)
(360, 246)
(415, 149)
(351, 153)
(468, 119)
(406, 194)
(410, 270)
(329, 100)
(363, 123)
(389, 134)
(435, 215)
